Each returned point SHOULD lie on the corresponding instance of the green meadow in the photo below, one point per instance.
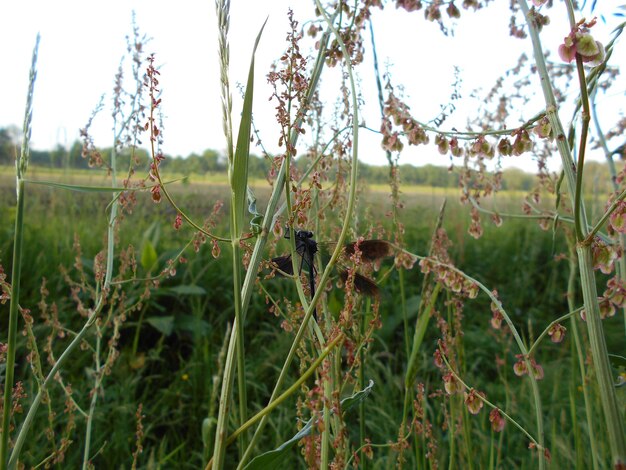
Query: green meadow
(169, 341)
(299, 309)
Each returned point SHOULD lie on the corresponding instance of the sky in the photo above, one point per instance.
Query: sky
(82, 43)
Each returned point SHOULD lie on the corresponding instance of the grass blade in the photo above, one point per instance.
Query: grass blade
(21, 167)
(96, 189)
(239, 174)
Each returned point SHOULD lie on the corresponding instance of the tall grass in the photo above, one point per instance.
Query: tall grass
(452, 366)
(21, 167)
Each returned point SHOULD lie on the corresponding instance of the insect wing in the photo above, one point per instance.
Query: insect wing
(363, 285)
(283, 263)
(371, 250)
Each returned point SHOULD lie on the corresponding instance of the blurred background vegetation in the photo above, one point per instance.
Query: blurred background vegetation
(169, 348)
(213, 162)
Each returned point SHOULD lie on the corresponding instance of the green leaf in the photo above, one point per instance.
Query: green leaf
(272, 459)
(148, 255)
(153, 233)
(192, 324)
(188, 289)
(239, 174)
(165, 325)
(357, 398)
(257, 218)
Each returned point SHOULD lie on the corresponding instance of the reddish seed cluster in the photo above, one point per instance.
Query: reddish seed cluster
(450, 278)
(151, 82)
(397, 111)
(473, 401)
(178, 222)
(3, 352)
(579, 42)
(475, 228)
(497, 420)
(440, 266)
(18, 395)
(292, 79)
(557, 333)
(617, 220)
(616, 292)
(496, 314)
(451, 384)
(139, 433)
(433, 10)
(89, 150)
(6, 287)
(604, 255)
(613, 298)
(520, 367)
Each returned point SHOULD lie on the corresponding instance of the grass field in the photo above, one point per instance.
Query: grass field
(160, 347)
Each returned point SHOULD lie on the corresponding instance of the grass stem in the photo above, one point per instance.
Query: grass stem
(21, 165)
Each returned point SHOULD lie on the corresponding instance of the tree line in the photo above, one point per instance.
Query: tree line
(212, 161)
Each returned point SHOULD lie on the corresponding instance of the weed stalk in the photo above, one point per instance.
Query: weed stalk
(21, 166)
(612, 414)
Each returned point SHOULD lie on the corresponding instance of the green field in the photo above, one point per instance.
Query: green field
(161, 343)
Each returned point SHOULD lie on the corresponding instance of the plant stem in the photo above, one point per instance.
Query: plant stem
(621, 262)
(21, 437)
(257, 253)
(488, 403)
(346, 223)
(13, 319)
(521, 346)
(94, 399)
(21, 165)
(241, 363)
(577, 344)
(286, 394)
(362, 431)
(612, 413)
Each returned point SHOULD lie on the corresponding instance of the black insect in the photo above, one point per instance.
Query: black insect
(306, 248)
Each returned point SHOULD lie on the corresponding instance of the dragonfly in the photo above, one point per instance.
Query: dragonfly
(306, 248)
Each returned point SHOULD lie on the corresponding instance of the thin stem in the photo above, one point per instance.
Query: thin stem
(552, 323)
(347, 220)
(520, 344)
(94, 399)
(21, 437)
(579, 349)
(613, 415)
(600, 223)
(578, 203)
(241, 364)
(107, 281)
(283, 396)
(13, 319)
(488, 403)
(21, 165)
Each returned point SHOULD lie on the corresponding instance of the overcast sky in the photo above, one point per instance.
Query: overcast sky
(82, 43)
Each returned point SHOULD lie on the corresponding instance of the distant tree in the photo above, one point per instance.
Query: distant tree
(212, 161)
(9, 144)
(75, 159)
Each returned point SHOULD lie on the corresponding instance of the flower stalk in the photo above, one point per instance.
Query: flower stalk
(613, 416)
(21, 165)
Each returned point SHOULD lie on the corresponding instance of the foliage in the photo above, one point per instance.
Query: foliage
(138, 311)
